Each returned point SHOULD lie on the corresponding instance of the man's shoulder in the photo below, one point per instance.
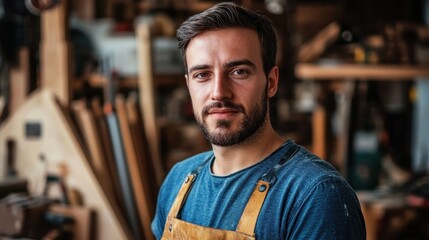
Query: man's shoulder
(307, 164)
(305, 170)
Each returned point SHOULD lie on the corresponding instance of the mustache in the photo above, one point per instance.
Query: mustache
(222, 104)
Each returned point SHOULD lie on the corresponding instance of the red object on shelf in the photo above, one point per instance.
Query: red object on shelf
(418, 201)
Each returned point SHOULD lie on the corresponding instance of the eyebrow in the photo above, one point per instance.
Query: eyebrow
(228, 65)
(240, 62)
(198, 67)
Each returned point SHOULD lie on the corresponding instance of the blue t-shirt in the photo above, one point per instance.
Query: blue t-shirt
(309, 199)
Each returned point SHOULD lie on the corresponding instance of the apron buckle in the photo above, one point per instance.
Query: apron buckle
(269, 177)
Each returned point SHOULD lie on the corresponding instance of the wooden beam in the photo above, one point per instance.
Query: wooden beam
(19, 81)
(135, 170)
(360, 72)
(142, 149)
(55, 52)
(147, 97)
(107, 151)
(88, 127)
(123, 172)
(319, 132)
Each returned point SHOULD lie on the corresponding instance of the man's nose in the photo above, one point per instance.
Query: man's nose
(221, 88)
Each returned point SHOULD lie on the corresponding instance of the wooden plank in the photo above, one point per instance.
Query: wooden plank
(344, 111)
(93, 143)
(134, 169)
(147, 97)
(54, 23)
(145, 166)
(386, 72)
(142, 148)
(56, 141)
(123, 173)
(19, 81)
(107, 152)
(55, 52)
(76, 107)
(319, 132)
(55, 71)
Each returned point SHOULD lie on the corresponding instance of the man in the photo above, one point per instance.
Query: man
(254, 184)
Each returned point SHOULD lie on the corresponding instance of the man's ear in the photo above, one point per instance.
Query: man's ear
(273, 81)
(187, 79)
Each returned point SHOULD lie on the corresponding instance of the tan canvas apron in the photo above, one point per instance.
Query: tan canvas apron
(178, 229)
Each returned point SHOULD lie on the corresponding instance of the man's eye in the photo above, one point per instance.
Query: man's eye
(240, 72)
(202, 75)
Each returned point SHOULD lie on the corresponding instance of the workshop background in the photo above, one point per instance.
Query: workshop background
(94, 109)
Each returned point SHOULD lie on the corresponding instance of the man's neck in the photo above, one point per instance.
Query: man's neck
(235, 158)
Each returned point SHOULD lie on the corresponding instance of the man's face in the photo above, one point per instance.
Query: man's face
(227, 84)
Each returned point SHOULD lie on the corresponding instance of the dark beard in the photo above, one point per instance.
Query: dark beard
(250, 125)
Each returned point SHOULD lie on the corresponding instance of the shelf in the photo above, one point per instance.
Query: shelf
(97, 80)
(360, 72)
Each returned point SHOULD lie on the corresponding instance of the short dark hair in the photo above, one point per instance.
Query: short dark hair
(227, 15)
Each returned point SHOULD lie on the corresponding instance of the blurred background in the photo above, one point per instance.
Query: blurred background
(94, 109)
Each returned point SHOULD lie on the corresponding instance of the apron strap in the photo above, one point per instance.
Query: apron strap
(250, 214)
(185, 189)
(182, 195)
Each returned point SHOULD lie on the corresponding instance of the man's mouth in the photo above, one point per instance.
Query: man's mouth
(222, 113)
(222, 109)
